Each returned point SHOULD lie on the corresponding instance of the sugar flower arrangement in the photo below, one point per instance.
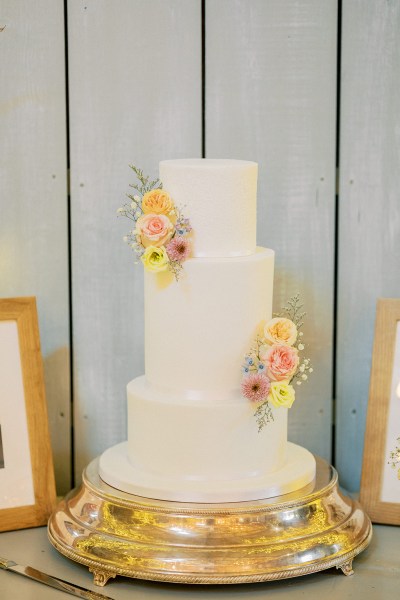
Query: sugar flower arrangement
(159, 235)
(275, 362)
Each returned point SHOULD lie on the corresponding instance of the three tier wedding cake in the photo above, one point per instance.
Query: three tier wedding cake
(192, 435)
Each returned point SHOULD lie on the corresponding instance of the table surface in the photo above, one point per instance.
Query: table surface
(377, 575)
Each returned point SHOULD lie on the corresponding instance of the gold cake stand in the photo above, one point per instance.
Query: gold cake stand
(115, 533)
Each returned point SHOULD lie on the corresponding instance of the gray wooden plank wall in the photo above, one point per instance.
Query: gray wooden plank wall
(271, 97)
(33, 201)
(135, 95)
(369, 208)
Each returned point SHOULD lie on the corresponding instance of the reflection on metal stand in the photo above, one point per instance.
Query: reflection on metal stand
(115, 533)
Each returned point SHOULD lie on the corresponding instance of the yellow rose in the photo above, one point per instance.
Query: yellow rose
(155, 259)
(280, 331)
(158, 202)
(281, 394)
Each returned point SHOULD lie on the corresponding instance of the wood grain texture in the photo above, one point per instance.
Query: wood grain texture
(387, 316)
(369, 208)
(24, 312)
(135, 97)
(33, 200)
(270, 97)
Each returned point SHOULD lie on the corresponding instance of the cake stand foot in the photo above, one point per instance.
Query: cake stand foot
(100, 577)
(347, 568)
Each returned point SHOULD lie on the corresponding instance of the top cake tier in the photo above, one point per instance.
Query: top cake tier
(219, 197)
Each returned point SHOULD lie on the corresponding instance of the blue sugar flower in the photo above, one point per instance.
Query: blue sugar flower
(182, 226)
(261, 367)
(245, 370)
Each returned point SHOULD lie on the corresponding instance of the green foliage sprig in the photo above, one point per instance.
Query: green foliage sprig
(159, 257)
(144, 185)
(263, 415)
(132, 210)
(293, 311)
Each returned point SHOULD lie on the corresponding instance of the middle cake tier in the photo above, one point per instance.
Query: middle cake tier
(197, 330)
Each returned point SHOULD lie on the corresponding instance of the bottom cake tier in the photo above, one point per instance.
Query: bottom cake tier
(203, 447)
(117, 471)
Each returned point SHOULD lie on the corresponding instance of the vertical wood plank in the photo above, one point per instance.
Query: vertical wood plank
(34, 220)
(135, 97)
(369, 208)
(271, 97)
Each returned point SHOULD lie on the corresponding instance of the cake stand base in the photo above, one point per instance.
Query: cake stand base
(115, 533)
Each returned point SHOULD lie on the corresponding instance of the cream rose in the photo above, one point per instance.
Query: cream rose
(281, 394)
(155, 259)
(154, 230)
(280, 331)
(281, 361)
(157, 201)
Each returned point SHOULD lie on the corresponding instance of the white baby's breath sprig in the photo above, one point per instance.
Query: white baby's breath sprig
(303, 370)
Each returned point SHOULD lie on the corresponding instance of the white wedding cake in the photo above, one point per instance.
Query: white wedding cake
(192, 435)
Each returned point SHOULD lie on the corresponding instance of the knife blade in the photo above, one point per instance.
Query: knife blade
(54, 582)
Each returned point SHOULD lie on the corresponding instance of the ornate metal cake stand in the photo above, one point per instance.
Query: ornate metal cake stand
(114, 533)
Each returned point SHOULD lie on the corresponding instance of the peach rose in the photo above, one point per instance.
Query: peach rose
(281, 362)
(154, 230)
(158, 202)
(280, 331)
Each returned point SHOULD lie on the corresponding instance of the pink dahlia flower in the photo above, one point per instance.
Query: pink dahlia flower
(281, 362)
(178, 249)
(255, 387)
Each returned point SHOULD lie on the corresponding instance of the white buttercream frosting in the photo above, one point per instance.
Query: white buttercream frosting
(215, 441)
(219, 197)
(192, 436)
(198, 330)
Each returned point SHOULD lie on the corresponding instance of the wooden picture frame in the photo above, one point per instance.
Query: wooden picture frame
(380, 480)
(27, 486)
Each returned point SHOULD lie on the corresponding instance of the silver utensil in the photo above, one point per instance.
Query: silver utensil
(54, 582)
